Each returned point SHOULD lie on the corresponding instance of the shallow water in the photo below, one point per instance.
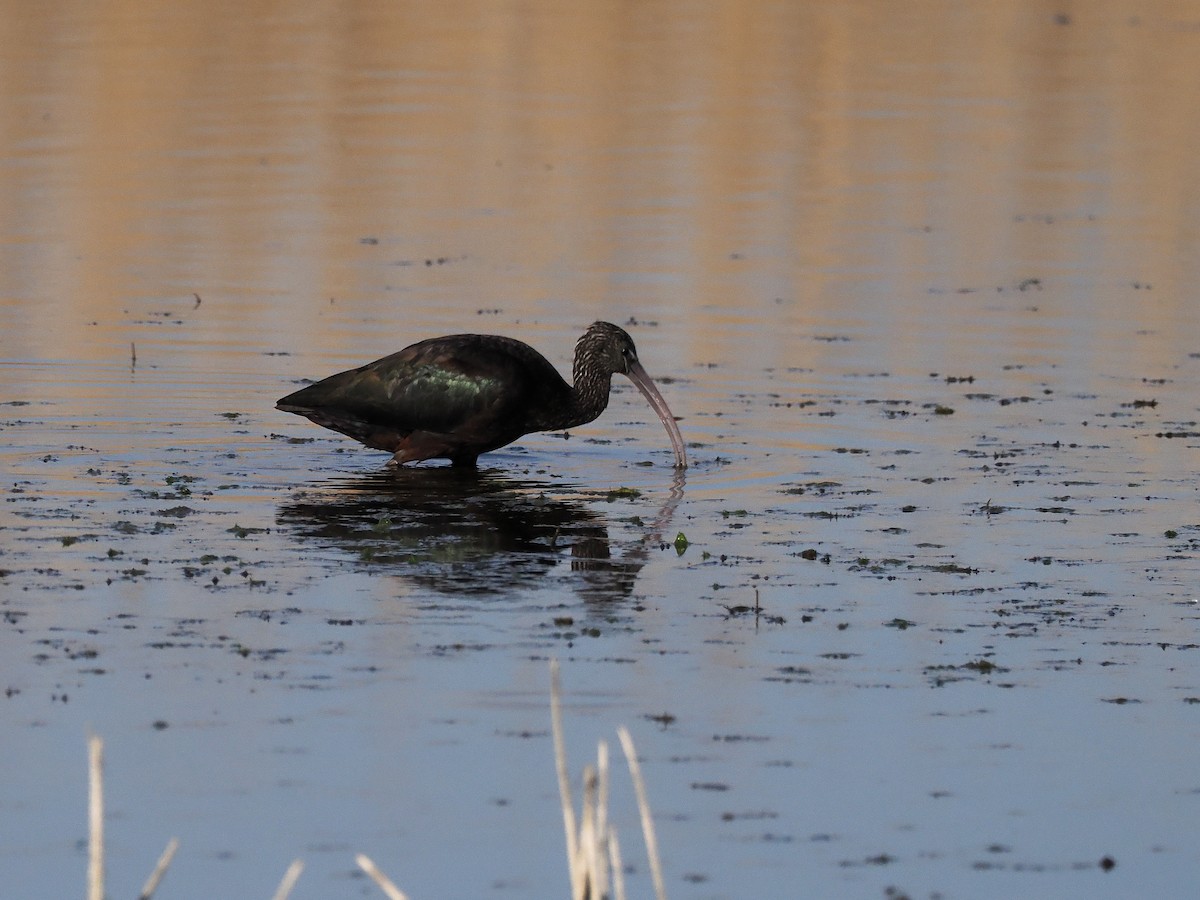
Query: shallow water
(918, 287)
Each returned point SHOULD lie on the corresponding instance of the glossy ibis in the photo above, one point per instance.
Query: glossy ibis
(458, 396)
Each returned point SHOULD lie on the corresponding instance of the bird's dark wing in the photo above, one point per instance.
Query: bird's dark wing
(472, 388)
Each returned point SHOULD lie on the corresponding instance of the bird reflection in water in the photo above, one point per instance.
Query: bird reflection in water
(459, 531)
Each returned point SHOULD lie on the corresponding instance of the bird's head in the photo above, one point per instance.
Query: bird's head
(606, 350)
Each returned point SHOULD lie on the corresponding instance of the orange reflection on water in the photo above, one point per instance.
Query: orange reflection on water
(791, 163)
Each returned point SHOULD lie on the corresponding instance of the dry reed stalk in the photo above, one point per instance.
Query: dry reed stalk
(578, 879)
(160, 870)
(593, 852)
(593, 861)
(614, 862)
(290, 877)
(600, 827)
(385, 884)
(95, 875)
(639, 787)
(585, 842)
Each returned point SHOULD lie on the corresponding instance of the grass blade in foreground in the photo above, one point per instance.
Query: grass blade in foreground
(593, 854)
(160, 869)
(290, 877)
(639, 787)
(95, 876)
(385, 883)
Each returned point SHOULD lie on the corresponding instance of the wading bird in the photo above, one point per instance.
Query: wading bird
(458, 396)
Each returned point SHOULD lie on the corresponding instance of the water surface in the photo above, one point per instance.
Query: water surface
(918, 285)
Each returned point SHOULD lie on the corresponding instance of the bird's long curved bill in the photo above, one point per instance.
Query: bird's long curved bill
(639, 377)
